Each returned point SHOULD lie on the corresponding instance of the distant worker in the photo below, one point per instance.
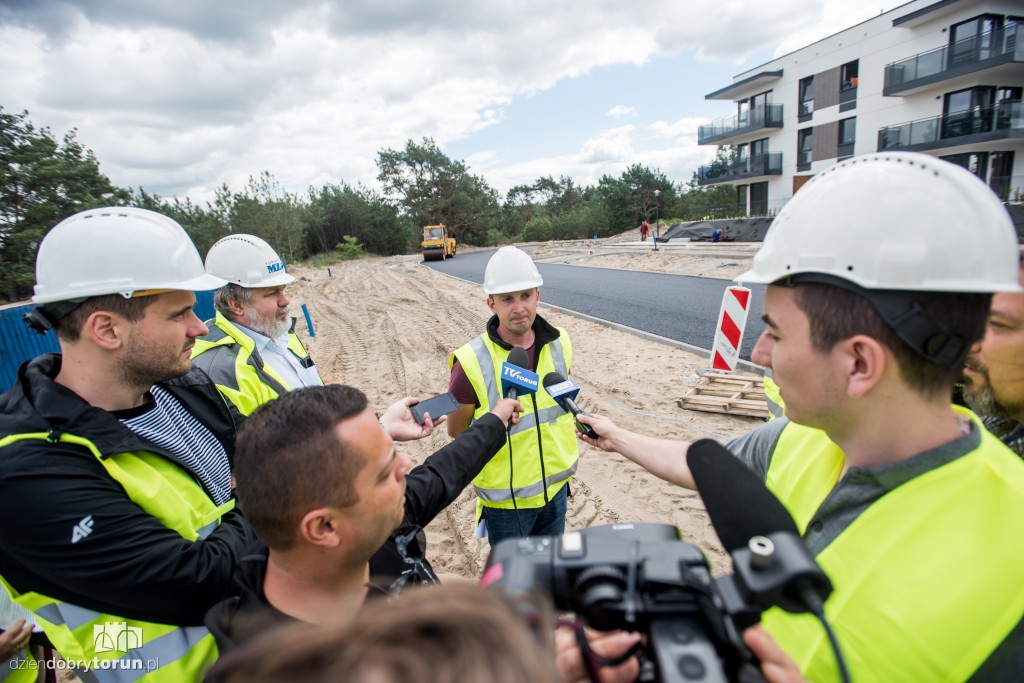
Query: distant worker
(250, 352)
(994, 373)
(115, 482)
(523, 490)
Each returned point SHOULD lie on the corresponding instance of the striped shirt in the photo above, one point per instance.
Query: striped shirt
(167, 424)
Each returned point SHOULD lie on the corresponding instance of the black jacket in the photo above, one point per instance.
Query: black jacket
(130, 564)
(434, 485)
(430, 488)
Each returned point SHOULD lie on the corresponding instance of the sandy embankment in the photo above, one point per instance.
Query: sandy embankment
(387, 325)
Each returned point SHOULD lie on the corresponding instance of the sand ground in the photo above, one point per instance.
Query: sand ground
(387, 326)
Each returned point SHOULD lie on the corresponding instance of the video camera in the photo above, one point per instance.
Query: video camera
(645, 578)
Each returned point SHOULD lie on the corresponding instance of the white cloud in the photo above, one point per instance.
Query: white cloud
(183, 97)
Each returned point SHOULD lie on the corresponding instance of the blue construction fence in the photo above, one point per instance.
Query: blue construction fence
(18, 343)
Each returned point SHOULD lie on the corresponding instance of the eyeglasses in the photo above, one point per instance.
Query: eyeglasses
(411, 542)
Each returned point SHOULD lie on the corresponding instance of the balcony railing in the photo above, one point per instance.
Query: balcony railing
(995, 123)
(964, 56)
(744, 167)
(766, 116)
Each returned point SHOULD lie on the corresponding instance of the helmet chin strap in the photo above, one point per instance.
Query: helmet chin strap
(44, 316)
(904, 315)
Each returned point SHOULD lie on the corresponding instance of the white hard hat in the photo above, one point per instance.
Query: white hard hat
(511, 270)
(117, 250)
(893, 221)
(248, 261)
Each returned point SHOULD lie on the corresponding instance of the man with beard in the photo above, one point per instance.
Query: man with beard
(994, 372)
(115, 484)
(250, 353)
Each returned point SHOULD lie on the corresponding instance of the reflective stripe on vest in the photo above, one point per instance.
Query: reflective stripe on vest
(229, 356)
(776, 406)
(927, 579)
(169, 493)
(481, 360)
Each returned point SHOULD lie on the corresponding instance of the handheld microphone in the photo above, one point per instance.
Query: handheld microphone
(564, 391)
(516, 380)
(771, 560)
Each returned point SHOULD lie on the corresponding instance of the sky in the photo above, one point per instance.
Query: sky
(182, 97)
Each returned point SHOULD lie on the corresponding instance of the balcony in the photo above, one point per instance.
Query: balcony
(744, 167)
(767, 116)
(998, 122)
(986, 51)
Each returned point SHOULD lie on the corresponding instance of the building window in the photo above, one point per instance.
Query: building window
(972, 40)
(968, 111)
(806, 98)
(804, 140)
(752, 111)
(1002, 174)
(848, 77)
(847, 137)
(741, 199)
(848, 80)
(758, 199)
(975, 162)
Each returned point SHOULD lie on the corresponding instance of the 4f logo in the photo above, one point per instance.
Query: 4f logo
(116, 636)
(82, 529)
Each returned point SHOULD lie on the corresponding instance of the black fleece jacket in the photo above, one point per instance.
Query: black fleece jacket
(129, 564)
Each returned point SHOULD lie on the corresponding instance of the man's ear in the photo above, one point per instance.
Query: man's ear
(323, 527)
(237, 308)
(107, 330)
(490, 302)
(865, 361)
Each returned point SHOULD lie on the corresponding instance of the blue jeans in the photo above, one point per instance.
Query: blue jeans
(544, 521)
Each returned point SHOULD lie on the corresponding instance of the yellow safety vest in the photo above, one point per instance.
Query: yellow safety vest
(241, 375)
(481, 360)
(927, 580)
(131, 649)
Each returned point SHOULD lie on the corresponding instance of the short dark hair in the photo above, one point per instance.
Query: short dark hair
(289, 460)
(69, 328)
(836, 313)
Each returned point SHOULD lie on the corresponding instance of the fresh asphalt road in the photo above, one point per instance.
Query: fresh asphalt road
(678, 307)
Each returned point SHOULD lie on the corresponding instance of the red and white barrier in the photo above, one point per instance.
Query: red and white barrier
(732, 319)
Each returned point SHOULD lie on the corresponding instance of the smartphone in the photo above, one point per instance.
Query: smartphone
(437, 406)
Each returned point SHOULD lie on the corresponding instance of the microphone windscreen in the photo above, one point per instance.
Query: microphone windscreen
(552, 378)
(517, 356)
(738, 502)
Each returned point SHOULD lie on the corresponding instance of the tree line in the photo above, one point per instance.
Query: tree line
(43, 180)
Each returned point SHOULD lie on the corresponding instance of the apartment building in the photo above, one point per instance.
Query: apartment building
(941, 77)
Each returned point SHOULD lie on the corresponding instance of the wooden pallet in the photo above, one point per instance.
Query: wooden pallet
(735, 394)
